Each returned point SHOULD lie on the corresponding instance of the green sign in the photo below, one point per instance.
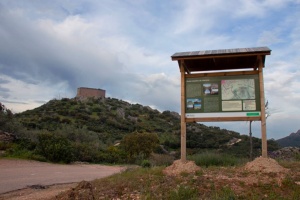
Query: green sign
(224, 95)
(253, 114)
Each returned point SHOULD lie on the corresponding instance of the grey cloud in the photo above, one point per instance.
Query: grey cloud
(4, 92)
(40, 102)
(14, 102)
(3, 81)
(31, 55)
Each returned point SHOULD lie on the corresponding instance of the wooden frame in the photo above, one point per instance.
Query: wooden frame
(221, 74)
(235, 54)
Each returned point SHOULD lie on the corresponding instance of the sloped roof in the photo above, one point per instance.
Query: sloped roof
(222, 59)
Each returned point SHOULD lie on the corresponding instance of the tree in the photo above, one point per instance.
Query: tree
(7, 121)
(139, 144)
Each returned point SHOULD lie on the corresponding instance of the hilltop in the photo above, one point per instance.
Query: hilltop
(293, 140)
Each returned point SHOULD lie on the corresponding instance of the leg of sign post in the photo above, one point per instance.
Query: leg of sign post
(183, 123)
(263, 112)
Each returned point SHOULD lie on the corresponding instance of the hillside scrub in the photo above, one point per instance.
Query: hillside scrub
(92, 128)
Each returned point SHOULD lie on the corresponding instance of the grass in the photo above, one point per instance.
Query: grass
(207, 159)
(213, 183)
(24, 154)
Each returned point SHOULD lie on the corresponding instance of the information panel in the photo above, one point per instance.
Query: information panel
(223, 96)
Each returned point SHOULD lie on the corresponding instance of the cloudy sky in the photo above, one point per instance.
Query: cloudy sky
(50, 48)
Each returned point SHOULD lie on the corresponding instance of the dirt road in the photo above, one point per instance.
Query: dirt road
(18, 174)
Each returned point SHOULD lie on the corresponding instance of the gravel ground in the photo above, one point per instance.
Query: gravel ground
(24, 179)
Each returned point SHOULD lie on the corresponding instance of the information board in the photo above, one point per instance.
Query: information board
(222, 96)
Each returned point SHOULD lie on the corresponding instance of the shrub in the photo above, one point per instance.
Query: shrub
(139, 145)
(115, 155)
(54, 148)
(84, 152)
(146, 163)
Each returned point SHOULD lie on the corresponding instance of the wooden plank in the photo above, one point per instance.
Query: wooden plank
(254, 50)
(186, 68)
(222, 119)
(197, 75)
(219, 56)
(263, 111)
(182, 120)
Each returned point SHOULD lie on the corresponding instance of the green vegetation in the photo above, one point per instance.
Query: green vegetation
(114, 131)
(206, 159)
(139, 145)
(8, 123)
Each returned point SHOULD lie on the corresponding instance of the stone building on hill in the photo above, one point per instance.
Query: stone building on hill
(83, 93)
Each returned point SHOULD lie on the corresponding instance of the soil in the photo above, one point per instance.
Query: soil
(265, 165)
(259, 171)
(179, 167)
(36, 193)
(27, 179)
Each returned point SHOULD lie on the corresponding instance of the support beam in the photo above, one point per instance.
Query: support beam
(185, 67)
(182, 121)
(263, 110)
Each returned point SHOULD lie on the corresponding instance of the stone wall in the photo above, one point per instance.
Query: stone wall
(84, 92)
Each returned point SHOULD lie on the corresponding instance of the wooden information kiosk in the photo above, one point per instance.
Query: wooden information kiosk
(222, 85)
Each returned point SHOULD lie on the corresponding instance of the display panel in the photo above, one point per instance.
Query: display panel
(222, 96)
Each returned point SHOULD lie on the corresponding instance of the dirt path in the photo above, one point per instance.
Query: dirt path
(36, 177)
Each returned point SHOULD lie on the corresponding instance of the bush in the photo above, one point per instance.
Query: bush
(54, 148)
(84, 152)
(139, 145)
(115, 155)
(146, 163)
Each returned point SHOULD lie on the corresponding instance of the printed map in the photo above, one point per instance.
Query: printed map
(238, 89)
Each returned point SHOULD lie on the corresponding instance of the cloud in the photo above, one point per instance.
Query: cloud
(48, 49)
(22, 95)
(269, 38)
(75, 52)
(260, 9)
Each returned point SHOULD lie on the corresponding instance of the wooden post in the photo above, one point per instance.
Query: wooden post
(251, 142)
(183, 123)
(263, 111)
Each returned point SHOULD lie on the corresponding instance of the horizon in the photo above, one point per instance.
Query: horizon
(161, 111)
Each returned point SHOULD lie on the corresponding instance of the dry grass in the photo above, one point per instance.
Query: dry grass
(207, 183)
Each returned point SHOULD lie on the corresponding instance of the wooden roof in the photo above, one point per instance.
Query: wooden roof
(223, 59)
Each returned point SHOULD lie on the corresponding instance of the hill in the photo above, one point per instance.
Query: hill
(293, 140)
(110, 119)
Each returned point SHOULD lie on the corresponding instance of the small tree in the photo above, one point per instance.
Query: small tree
(139, 144)
(7, 120)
